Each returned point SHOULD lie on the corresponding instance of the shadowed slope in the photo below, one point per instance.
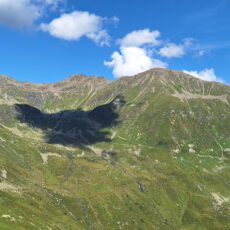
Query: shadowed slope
(73, 127)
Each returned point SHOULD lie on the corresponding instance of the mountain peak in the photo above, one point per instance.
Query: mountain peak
(6, 79)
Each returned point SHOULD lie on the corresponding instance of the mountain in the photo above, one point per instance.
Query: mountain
(151, 151)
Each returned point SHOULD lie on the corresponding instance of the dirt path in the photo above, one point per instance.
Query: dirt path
(46, 155)
(3, 140)
(185, 95)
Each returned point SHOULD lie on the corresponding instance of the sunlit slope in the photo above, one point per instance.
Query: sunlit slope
(145, 152)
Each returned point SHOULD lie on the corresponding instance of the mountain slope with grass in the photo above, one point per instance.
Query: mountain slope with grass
(150, 151)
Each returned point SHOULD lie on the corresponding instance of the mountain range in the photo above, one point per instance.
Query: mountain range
(150, 151)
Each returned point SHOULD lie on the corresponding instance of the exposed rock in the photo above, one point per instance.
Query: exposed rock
(6, 216)
(4, 173)
(218, 200)
(192, 151)
(46, 155)
(5, 186)
(140, 186)
(176, 150)
(227, 152)
(191, 148)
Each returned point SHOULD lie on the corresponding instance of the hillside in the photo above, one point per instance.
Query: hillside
(151, 151)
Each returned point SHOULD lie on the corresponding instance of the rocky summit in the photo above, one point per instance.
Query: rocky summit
(151, 151)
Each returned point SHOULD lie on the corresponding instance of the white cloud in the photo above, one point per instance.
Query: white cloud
(54, 4)
(132, 60)
(141, 37)
(135, 55)
(72, 26)
(187, 42)
(171, 50)
(200, 53)
(77, 24)
(23, 13)
(18, 13)
(206, 75)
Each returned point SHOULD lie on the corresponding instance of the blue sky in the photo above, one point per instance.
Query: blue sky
(49, 40)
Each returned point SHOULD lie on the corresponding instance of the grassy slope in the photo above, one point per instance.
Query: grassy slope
(138, 182)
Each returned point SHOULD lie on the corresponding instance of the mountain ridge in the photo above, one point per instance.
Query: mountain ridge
(144, 152)
(82, 76)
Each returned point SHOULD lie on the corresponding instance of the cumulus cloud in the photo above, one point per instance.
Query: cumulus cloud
(141, 37)
(135, 54)
(206, 75)
(172, 50)
(18, 13)
(72, 26)
(132, 60)
(23, 13)
(77, 24)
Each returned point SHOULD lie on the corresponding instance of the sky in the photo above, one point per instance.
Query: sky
(45, 41)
